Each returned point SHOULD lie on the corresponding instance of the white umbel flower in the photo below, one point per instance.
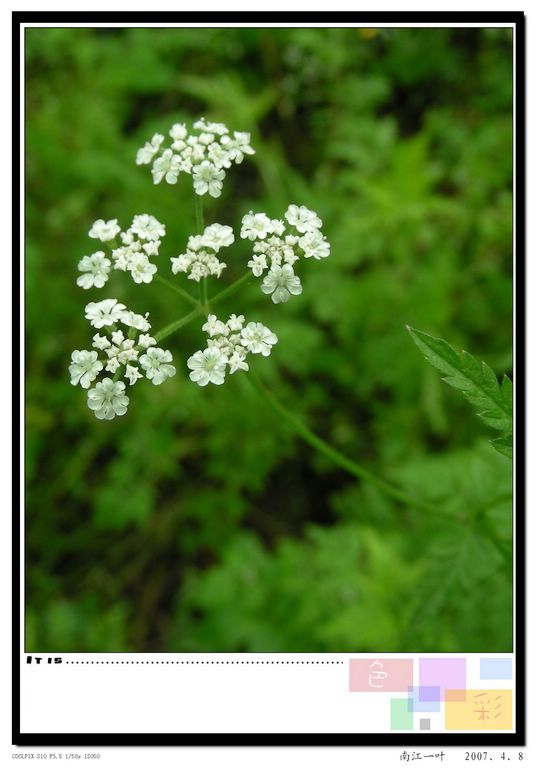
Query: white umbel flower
(84, 367)
(104, 230)
(207, 178)
(281, 282)
(96, 270)
(207, 366)
(107, 399)
(203, 155)
(302, 218)
(156, 364)
(258, 339)
(106, 312)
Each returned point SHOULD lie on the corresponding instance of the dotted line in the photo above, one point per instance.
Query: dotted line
(204, 662)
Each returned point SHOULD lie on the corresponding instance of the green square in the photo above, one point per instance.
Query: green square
(401, 719)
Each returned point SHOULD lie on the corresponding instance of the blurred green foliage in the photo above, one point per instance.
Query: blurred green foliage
(198, 522)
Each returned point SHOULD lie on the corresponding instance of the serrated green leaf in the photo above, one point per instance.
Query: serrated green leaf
(476, 380)
(504, 445)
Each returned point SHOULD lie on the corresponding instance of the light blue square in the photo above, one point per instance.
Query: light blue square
(495, 669)
(424, 698)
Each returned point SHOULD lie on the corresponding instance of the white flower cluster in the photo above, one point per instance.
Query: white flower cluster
(123, 355)
(200, 259)
(204, 155)
(227, 348)
(139, 241)
(277, 252)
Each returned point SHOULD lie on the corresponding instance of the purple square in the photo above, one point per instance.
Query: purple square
(424, 698)
(443, 673)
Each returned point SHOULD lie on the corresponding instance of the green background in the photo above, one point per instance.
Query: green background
(198, 521)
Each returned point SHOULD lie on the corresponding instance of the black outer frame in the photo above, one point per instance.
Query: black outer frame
(387, 739)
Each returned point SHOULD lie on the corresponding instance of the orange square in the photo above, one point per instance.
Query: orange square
(482, 710)
(456, 695)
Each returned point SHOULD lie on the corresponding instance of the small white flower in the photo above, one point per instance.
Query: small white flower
(112, 365)
(218, 128)
(219, 156)
(141, 269)
(151, 247)
(147, 227)
(255, 225)
(315, 245)
(127, 353)
(149, 150)
(118, 337)
(107, 399)
(302, 218)
(238, 146)
(167, 166)
(178, 131)
(206, 138)
(100, 342)
(156, 364)
(207, 366)
(235, 323)
(106, 312)
(207, 178)
(278, 227)
(237, 361)
(258, 264)
(139, 322)
(146, 341)
(195, 242)
(258, 339)
(96, 269)
(104, 230)
(289, 256)
(181, 263)
(132, 374)
(215, 327)
(84, 367)
(218, 236)
(281, 282)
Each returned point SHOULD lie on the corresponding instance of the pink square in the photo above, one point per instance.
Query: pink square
(380, 675)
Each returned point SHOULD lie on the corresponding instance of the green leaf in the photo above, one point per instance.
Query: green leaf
(503, 445)
(476, 380)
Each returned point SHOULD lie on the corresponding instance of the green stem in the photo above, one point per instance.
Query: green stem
(199, 217)
(332, 453)
(233, 288)
(203, 295)
(355, 469)
(180, 323)
(185, 295)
